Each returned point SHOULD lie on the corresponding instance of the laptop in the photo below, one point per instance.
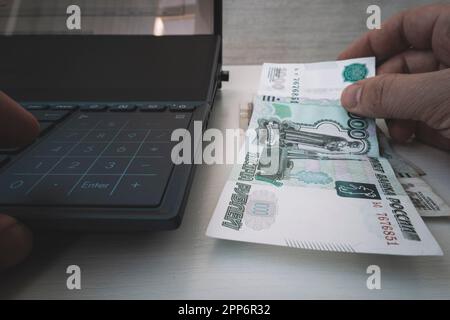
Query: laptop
(108, 96)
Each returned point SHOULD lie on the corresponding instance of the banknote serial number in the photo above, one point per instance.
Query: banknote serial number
(295, 94)
(388, 229)
(295, 91)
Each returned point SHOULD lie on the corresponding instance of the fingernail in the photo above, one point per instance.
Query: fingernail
(351, 96)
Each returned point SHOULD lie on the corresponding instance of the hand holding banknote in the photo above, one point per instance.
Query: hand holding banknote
(311, 176)
(412, 86)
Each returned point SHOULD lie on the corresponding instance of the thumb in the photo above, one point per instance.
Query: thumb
(424, 97)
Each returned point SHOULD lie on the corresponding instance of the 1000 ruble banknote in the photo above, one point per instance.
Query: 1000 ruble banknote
(311, 176)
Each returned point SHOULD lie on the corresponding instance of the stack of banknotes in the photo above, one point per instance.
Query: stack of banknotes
(311, 175)
(426, 201)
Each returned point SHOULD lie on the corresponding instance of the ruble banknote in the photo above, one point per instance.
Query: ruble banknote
(402, 167)
(427, 202)
(310, 174)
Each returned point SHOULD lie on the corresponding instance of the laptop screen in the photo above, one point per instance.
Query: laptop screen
(123, 50)
(112, 17)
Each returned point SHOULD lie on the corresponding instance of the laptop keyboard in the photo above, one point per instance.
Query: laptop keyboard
(95, 155)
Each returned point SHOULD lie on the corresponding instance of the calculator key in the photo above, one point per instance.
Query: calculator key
(68, 136)
(122, 108)
(53, 189)
(42, 115)
(88, 149)
(163, 120)
(44, 127)
(159, 135)
(34, 165)
(150, 166)
(83, 121)
(177, 120)
(131, 136)
(149, 149)
(139, 190)
(67, 107)
(144, 123)
(52, 149)
(32, 107)
(20, 182)
(113, 123)
(109, 165)
(181, 117)
(72, 165)
(93, 189)
(121, 149)
(14, 188)
(181, 107)
(100, 136)
(94, 107)
(3, 160)
(151, 107)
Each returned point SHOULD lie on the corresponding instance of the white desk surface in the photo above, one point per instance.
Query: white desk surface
(185, 264)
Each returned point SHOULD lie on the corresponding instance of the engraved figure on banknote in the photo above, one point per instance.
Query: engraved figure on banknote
(285, 141)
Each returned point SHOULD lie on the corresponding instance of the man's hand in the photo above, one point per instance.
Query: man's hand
(15, 242)
(17, 128)
(412, 89)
